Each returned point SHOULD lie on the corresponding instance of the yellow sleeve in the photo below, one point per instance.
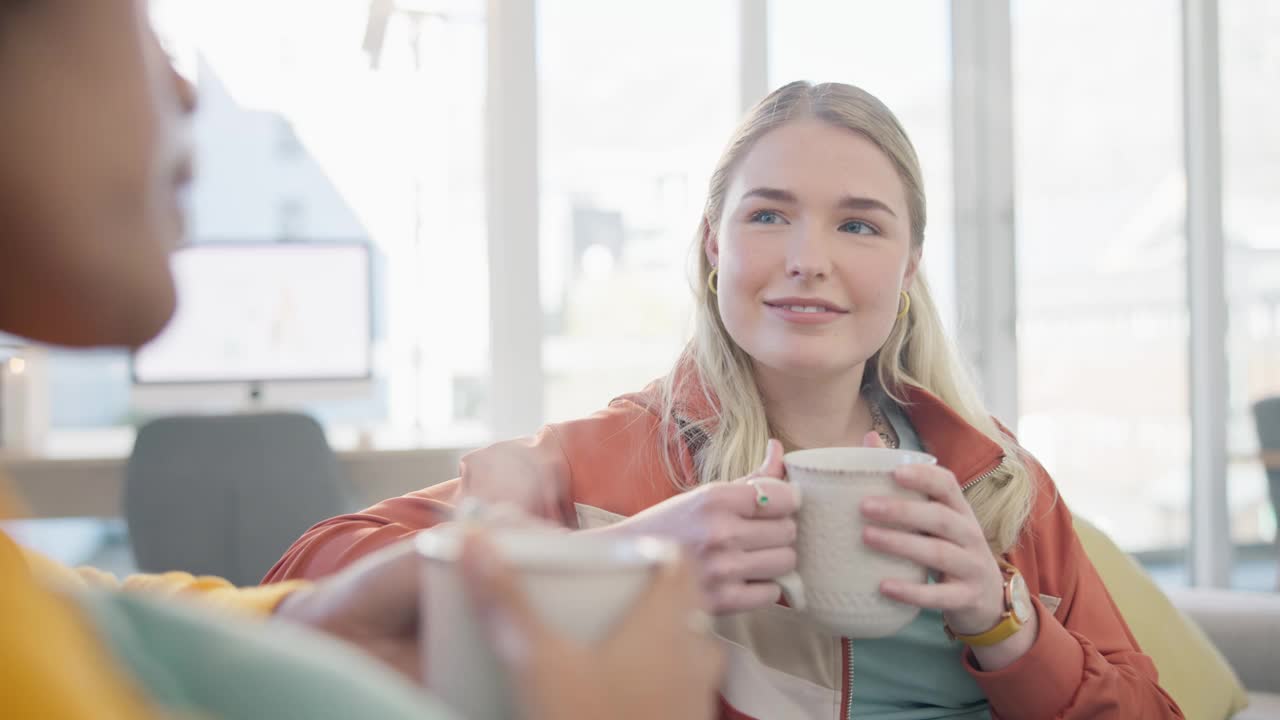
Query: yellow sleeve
(205, 588)
(216, 591)
(51, 664)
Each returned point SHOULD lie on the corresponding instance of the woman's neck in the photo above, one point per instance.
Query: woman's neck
(815, 412)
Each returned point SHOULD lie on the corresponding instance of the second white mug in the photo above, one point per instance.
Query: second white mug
(581, 587)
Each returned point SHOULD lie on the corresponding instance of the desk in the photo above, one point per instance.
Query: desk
(1271, 459)
(90, 483)
(1268, 459)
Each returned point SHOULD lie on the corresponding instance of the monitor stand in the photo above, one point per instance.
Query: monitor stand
(255, 395)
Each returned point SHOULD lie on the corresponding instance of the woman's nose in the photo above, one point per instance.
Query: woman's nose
(186, 91)
(807, 256)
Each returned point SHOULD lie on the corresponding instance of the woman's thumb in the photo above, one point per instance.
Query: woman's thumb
(873, 440)
(772, 465)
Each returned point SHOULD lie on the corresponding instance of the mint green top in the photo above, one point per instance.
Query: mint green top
(916, 674)
(214, 666)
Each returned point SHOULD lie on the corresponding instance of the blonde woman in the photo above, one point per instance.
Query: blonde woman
(815, 328)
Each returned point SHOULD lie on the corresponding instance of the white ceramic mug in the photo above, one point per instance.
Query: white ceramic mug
(837, 578)
(581, 586)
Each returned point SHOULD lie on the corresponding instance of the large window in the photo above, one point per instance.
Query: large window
(1102, 326)
(1250, 67)
(318, 126)
(636, 101)
(901, 53)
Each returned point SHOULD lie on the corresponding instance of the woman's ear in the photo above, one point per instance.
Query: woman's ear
(710, 243)
(913, 266)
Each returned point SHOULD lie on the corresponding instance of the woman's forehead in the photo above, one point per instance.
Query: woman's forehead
(816, 161)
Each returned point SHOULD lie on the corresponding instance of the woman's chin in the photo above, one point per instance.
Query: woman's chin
(810, 366)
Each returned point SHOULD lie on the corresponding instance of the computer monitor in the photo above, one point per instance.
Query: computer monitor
(255, 313)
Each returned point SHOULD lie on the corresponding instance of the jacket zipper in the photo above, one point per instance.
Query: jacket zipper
(847, 644)
(847, 702)
(995, 469)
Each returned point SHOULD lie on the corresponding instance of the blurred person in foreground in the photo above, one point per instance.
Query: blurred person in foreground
(94, 157)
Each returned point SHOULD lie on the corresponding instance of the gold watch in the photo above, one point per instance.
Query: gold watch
(1017, 611)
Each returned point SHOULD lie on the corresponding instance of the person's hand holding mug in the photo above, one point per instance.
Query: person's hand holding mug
(659, 662)
(942, 533)
(373, 604)
(741, 535)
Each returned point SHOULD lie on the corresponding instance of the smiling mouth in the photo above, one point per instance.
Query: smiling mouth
(806, 307)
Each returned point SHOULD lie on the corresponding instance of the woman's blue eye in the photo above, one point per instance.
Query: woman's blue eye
(857, 227)
(766, 217)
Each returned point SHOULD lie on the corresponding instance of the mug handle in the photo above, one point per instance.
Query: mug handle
(792, 589)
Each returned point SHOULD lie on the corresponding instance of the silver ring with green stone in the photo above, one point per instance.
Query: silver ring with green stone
(762, 498)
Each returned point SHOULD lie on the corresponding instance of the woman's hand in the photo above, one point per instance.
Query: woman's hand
(738, 543)
(374, 605)
(941, 533)
(660, 662)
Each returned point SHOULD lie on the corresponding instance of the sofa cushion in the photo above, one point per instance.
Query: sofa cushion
(1191, 668)
(1244, 626)
(1262, 706)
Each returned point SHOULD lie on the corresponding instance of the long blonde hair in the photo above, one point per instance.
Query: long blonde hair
(917, 352)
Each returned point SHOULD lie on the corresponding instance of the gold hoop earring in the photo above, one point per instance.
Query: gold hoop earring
(711, 281)
(906, 304)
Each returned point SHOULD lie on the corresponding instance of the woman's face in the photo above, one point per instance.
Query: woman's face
(813, 247)
(94, 136)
